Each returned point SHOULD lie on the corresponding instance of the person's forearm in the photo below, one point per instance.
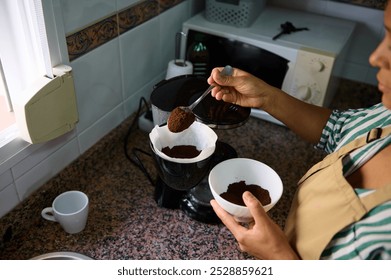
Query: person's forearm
(306, 120)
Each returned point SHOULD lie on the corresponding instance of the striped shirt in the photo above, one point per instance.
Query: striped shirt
(370, 238)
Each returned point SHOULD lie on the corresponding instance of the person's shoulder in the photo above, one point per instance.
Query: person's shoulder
(377, 107)
(367, 114)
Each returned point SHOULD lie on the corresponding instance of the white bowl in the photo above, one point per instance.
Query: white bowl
(248, 170)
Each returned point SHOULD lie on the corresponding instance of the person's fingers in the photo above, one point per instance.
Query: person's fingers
(255, 207)
(216, 91)
(227, 219)
(223, 79)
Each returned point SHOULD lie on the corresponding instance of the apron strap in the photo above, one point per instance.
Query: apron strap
(372, 135)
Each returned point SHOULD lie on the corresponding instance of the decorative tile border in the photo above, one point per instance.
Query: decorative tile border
(89, 38)
(376, 4)
(137, 15)
(97, 34)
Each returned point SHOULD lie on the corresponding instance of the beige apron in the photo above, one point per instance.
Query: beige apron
(325, 202)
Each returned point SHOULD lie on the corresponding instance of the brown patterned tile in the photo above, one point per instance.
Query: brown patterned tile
(83, 41)
(91, 37)
(137, 15)
(376, 4)
(167, 4)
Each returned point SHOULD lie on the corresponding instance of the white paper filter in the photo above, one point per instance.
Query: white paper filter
(198, 135)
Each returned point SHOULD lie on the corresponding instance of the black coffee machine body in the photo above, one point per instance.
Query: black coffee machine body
(185, 186)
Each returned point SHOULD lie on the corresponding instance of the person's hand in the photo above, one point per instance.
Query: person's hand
(240, 88)
(263, 238)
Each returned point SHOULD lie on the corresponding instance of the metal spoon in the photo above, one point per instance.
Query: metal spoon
(182, 117)
(227, 71)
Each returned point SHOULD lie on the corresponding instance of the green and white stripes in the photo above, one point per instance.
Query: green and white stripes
(370, 238)
(343, 127)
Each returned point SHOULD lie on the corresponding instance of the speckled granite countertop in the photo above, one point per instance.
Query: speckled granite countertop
(124, 220)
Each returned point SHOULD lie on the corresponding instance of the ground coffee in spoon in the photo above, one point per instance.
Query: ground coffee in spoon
(235, 192)
(179, 120)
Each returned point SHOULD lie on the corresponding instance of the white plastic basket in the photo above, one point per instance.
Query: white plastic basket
(239, 13)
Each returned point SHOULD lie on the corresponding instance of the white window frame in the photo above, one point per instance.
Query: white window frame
(11, 132)
(18, 149)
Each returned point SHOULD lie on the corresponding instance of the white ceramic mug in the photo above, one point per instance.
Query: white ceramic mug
(70, 210)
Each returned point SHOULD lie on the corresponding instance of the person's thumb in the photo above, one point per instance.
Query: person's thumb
(222, 79)
(255, 207)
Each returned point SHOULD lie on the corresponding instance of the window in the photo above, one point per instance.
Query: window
(8, 128)
(24, 55)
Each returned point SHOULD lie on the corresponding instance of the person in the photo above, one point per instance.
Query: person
(342, 207)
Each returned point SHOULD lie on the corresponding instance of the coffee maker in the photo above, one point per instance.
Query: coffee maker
(192, 195)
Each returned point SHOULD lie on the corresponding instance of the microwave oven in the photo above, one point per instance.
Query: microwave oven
(305, 64)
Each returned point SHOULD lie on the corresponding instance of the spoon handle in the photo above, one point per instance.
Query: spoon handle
(206, 92)
(227, 71)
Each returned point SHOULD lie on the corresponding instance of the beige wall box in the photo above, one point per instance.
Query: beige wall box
(48, 109)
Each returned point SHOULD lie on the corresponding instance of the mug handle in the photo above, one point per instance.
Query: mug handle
(47, 213)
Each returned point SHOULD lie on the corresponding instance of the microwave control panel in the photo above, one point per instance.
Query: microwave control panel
(313, 73)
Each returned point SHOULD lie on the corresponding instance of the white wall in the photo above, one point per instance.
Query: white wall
(369, 32)
(109, 82)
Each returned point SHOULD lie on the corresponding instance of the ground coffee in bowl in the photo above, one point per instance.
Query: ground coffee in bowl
(235, 192)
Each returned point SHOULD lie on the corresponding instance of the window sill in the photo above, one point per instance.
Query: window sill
(8, 134)
(13, 152)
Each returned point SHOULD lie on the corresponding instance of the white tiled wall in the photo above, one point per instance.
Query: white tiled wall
(81, 13)
(109, 82)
